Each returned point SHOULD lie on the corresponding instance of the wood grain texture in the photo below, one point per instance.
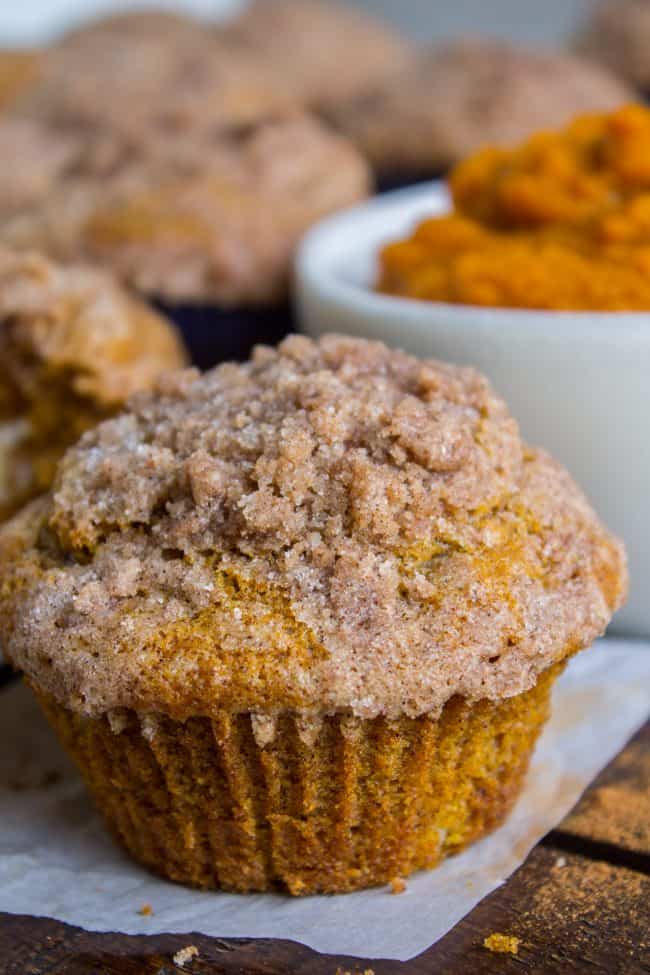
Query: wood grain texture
(572, 911)
(616, 809)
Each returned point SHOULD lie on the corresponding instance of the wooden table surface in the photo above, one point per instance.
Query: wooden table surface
(580, 903)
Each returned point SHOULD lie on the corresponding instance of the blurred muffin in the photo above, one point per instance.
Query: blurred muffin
(324, 52)
(204, 223)
(73, 348)
(131, 25)
(618, 35)
(455, 98)
(297, 620)
(172, 72)
(18, 72)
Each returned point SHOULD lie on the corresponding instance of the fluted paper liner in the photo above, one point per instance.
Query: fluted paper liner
(228, 803)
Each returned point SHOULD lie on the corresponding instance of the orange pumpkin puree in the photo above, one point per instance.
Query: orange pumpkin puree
(561, 222)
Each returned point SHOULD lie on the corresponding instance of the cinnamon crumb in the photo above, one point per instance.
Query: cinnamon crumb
(505, 944)
(146, 910)
(397, 885)
(184, 955)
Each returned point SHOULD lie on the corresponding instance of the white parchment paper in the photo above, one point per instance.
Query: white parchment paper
(57, 861)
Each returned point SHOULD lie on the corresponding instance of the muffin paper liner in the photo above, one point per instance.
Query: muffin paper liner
(214, 334)
(330, 806)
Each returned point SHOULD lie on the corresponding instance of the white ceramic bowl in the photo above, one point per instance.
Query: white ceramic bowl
(579, 383)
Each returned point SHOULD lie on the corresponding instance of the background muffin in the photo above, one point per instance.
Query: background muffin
(195, 194)
(455, 98)
(307, 639)
(325, 53)
(73, 348)
(618, 35)
(203, 223)
(173, 72)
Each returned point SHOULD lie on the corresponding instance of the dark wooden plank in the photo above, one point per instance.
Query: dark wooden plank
(616, 808)
(570, 914)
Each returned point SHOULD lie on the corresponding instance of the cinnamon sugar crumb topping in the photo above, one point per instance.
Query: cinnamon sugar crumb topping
(332, 525)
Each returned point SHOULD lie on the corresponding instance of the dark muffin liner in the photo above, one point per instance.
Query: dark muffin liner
(215, 334)
(401, 179)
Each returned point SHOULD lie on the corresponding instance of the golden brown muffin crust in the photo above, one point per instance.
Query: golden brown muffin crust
(332, 526)
(203, 218)
(73, 347)
(455, 98)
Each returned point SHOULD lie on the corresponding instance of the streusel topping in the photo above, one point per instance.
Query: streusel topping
(331, 525)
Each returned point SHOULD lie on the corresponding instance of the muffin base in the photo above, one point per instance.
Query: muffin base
(206, 802)
(214, 334)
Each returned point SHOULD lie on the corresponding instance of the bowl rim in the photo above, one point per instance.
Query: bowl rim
(314, 272)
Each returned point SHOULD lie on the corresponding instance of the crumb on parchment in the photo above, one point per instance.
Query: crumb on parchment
(184, 955)
(502, 943)
(146, 910)
(397, 885)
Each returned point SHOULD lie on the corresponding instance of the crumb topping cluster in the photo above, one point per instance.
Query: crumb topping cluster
(332, 525)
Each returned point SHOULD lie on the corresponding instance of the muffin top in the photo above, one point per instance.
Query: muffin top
(323, 52)
(455, 98)
(618, 35)
(73, 347)
(209, 217)
(151, 69)
(332, 525)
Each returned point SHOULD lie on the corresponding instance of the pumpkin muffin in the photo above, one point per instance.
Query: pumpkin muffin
(452, 99)
(202, 225)
(618, 35)
(324, 53)
(73, 347)
(297, 620)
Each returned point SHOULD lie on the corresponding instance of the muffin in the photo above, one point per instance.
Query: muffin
(73, 347)
(205, 226)
(455, 98)
(297, 620)
(325, 53)
(618, 35)
(560, 222)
